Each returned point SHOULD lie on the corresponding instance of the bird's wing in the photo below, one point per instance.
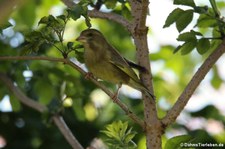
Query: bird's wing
(136, 66)
(117, 60)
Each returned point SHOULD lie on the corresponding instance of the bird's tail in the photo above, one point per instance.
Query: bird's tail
(148, 92)
(141, 87)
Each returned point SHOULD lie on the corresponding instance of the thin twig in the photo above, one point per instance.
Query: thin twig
(103, 15)
(100, 85)
(175, 111)
(58, 120)
(112, 17)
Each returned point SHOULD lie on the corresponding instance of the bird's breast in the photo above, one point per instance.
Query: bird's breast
(103, 69)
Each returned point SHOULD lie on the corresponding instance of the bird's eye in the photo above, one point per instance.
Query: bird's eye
(90, 34)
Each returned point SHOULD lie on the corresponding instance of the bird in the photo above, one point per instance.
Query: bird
(106, 63)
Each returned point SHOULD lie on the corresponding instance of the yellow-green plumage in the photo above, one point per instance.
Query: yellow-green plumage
(106, 63)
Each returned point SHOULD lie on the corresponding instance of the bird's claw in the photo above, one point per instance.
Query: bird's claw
(115, 97)
(88, 75)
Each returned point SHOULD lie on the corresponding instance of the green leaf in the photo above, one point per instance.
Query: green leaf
(173, 16)
(122, 128)
(16, 106)
(187, 37)
(76, 12)
(214, 44)
(177, 49)
(119, 136)
(216, 80)
(27, 13)
(184, 2)
(44, 91)
(43, 20)
(79, 110)
(178, 142)
(79, 56)
(187, 47)
(62, 17)
(129, 136)
(70, 45)
(184, 20)
(201, 9)
(206, 21)
(110, 4)
(216, 33)
(126, 12)
(203, 45)
(196, 33)
(80, 10)
(209, 112)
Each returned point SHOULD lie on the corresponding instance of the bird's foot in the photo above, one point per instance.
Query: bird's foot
(88, 75)
(115, 97)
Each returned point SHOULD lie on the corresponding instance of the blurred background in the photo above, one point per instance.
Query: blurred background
(87, 109)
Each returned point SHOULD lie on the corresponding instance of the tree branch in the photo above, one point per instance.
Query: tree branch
(58, 120)
(139, 13)
(112, 17)
(60, 123)
(100, 85)
(175, 111)
(103, 15)
(20, 95)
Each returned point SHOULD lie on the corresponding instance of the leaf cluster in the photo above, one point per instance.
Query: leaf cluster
(52, 33)
(119, 136)
(208, 17)
(80, 9)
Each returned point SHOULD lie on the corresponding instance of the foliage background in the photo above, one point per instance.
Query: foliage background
(88, 110)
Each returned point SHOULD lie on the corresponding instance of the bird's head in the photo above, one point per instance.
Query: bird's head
(91, 35)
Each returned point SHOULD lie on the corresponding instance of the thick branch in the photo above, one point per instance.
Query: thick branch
(193, 84)
(59, 122)
(70, 63)
(139, 13)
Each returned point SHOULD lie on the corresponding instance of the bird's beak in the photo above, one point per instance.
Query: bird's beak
(81, 39)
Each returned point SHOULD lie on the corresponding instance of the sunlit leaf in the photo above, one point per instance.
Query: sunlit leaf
(216, 80)
(110, 3)
(119, 136)
(206, 21)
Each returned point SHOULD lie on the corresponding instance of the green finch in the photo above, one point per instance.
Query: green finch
(104, 61)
